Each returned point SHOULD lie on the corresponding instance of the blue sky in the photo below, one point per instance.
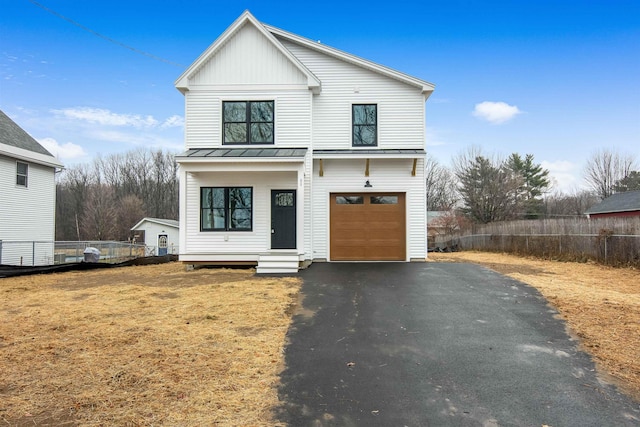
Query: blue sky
(557, 79)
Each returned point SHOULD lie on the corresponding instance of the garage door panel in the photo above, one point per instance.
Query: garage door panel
(373, 228)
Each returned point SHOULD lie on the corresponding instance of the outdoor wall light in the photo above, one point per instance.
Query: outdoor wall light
(367, 184)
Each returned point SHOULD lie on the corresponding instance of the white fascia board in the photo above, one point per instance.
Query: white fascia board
(29, 156)
(247, 160)
(425, 86)
(182, 83)
(155, 221)
(268, 166)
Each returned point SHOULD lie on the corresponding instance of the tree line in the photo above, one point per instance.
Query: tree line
(103, 199)
(480, 188)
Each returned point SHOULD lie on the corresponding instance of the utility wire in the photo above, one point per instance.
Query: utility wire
(102, 36)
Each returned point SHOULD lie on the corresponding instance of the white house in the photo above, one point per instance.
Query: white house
(27, 197)
(161, 234)
(298, 152)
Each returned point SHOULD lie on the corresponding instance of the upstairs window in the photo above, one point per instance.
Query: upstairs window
(22, 174)
(247, 122)
(226, 208)
(365, 125)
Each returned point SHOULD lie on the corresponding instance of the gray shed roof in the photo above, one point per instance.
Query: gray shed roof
(244, 152)
(619, 202)
(168, 222)
(14, 135)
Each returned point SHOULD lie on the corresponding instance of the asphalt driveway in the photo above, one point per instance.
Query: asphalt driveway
(436, 344)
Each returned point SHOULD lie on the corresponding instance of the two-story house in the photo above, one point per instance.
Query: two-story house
(27, 197)
(299, 152)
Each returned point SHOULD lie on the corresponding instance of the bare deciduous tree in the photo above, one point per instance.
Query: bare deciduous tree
(606, 168)
(442, 193)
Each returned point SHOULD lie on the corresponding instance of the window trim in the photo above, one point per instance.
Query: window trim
(248, 122)
(22, 175)
(353, 125)
(227, 211)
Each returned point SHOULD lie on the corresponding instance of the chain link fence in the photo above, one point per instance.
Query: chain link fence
(612, 242)
(38, 253)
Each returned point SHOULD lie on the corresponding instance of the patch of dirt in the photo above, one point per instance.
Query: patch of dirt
(600, 304)
(142, 345)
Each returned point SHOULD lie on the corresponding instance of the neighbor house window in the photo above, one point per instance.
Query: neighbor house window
(226, 208)
(247, 122)
(22, 174)
(365, 124)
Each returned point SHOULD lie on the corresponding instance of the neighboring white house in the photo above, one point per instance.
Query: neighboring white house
(298, 152)
(27, 197)
(162, 235)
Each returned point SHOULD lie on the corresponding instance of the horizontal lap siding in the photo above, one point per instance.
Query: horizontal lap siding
(28, 213)
(204, 116)
(400, 106)
(239, 242)
(385, 175)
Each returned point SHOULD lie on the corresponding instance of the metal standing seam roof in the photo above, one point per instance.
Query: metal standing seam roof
(619, 202)
(243, 153)
(371, 152)
(13, 135)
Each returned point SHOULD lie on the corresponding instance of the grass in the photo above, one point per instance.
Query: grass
(147, 345)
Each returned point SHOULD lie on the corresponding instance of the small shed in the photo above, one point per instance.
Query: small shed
(617, 205)
(162, 235)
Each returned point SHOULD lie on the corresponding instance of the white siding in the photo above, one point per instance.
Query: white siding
(248, 58)
(400, 106)
(235, 242)
(151, 232)
(204, 120)
(385, 175)
(27, 213)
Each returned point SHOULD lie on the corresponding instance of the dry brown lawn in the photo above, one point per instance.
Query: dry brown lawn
(147, 345)
(600, 304)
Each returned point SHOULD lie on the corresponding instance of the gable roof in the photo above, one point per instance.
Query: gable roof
(166, 222)
(273, 34)
(182, 83)
(619, 202)
(16, 142)
(426, 87)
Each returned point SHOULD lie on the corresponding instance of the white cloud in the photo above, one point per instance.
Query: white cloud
(495, 112)
(106, 117)
(565, 175)
(434, 137)
(173, 121)
(64, 151)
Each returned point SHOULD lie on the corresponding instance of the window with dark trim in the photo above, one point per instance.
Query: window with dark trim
(226, 208)
(365, 124)
(22, 174)
(247, 122)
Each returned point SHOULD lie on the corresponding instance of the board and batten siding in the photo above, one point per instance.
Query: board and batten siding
(233, 243)
(385, 175)
(248, 58)
(401, 107)
(27, 214)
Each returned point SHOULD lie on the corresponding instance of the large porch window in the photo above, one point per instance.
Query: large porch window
(226, 208)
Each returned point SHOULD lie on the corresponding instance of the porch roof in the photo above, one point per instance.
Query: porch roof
(242, 154)
(368, 153)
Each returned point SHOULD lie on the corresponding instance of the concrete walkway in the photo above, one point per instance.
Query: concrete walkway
(436, 344)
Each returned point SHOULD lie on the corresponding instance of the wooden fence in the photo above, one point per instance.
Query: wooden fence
(612, 241)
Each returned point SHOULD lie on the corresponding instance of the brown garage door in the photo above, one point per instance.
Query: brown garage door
(368, 227)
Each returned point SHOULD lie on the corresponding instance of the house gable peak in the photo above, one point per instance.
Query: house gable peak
(184, 81)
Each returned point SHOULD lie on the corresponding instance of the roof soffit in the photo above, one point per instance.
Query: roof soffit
(182, 83)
